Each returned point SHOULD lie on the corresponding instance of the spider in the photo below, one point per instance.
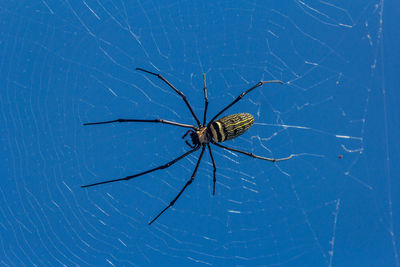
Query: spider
(214, 132)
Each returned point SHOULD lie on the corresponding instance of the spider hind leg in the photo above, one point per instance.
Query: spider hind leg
(183, 188)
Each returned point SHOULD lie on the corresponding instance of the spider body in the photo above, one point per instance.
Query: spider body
(231, 126)
(214, 132)
(221, 130)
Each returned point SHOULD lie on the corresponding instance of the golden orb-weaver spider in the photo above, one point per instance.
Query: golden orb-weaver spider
(216, 130)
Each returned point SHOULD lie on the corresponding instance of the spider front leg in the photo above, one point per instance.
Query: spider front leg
(183, 189)
(140, 120)
(159, 76)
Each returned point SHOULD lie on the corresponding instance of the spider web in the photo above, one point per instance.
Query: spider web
(64, 64)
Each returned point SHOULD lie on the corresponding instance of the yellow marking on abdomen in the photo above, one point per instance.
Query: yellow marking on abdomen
(220, 130)
(242, 125)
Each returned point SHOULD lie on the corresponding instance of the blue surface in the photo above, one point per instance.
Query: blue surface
(335, 203)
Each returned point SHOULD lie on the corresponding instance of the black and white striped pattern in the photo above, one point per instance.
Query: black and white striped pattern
(231, 126)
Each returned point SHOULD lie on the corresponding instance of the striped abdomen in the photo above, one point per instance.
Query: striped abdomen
(231, 126)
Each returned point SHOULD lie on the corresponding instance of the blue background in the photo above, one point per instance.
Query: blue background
(64, 63)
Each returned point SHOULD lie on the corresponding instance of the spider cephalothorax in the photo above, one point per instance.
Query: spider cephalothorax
(199, 137)
(217, 130)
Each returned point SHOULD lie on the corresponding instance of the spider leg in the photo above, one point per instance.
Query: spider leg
(205, 100)
(145, 172)
(242, 95)
(251, 154)
(135, 120)
(176, 90)
(214, 167)
(183, 188)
